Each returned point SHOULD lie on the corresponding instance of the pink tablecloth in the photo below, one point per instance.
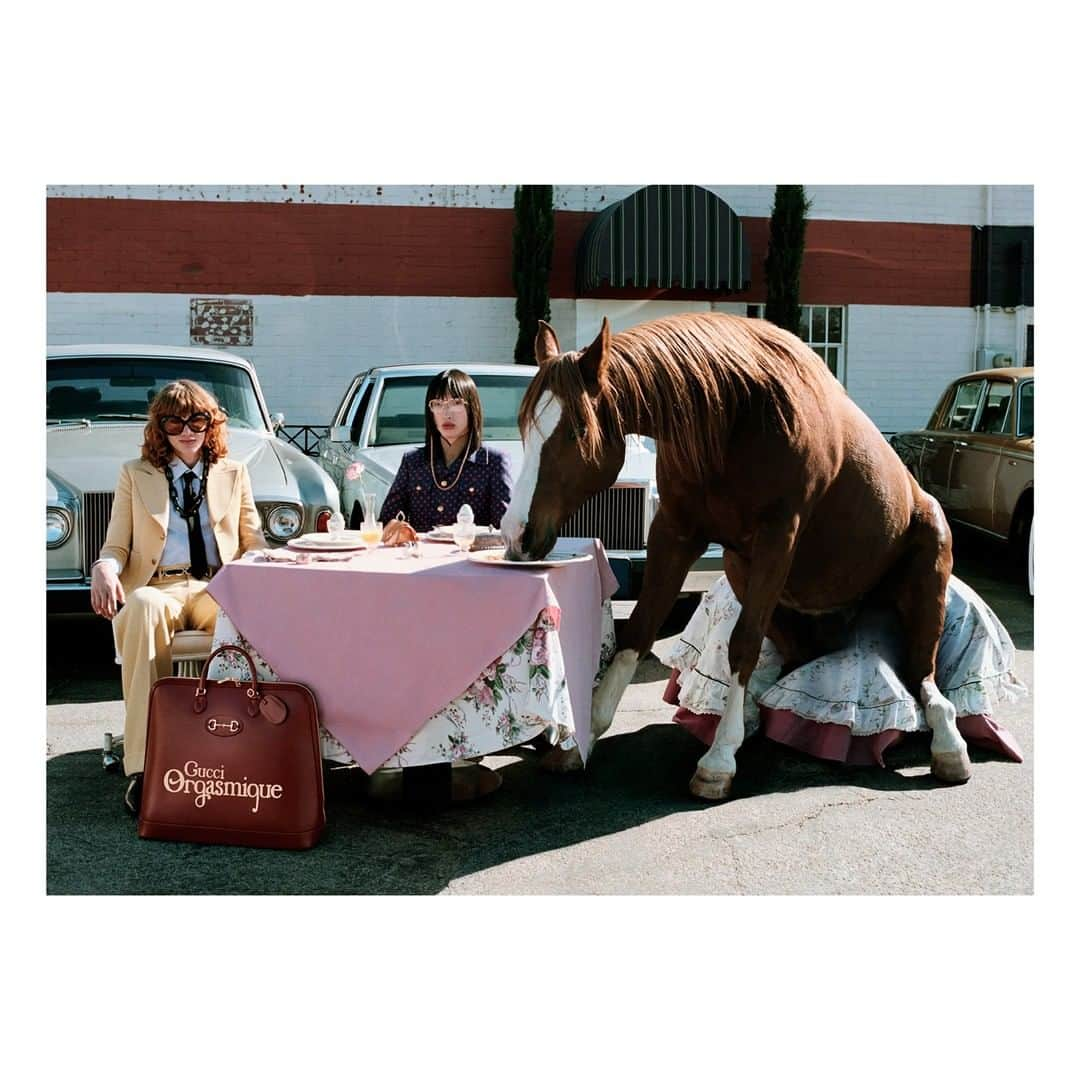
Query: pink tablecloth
(384, 641)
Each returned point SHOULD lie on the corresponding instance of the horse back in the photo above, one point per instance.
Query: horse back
(857, 525)
(852, 495)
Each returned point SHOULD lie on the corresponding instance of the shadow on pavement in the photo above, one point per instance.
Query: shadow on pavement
(389, 849)
(385, 849)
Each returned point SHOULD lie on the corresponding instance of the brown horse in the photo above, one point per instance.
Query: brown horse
(759, 449)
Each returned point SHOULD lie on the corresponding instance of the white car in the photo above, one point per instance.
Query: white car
(381, 418)
(97, 398)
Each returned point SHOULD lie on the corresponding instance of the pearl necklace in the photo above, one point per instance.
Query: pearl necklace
(445, 485)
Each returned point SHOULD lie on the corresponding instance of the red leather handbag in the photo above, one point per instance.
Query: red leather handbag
(233, 764)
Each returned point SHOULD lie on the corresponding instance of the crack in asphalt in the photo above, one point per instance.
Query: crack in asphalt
(816, 813)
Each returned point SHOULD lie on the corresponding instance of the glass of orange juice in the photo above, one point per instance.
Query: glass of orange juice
(370, 533)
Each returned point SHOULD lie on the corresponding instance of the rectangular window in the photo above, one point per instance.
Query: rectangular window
(965, 405)
(1025, 424)
(822, 328)
(994, 418)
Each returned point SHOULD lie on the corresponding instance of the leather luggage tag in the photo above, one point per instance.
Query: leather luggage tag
(273, 708)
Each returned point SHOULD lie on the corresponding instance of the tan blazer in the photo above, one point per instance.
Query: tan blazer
(140, 517)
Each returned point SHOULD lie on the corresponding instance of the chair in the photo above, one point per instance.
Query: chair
(190, 649)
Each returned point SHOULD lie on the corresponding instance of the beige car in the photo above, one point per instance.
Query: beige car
(976, 455)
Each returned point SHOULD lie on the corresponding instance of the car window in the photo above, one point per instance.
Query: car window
(941, 410)
(89, 388)
(965, 403)
(400, 417)
(360, 414)
(1025, 427)
(994, 418)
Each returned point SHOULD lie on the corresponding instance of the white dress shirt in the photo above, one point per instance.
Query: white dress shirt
(177, 548)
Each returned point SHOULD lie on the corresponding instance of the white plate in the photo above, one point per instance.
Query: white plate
(438, 536)
(349, 540)
(495, 558)
(445, 535)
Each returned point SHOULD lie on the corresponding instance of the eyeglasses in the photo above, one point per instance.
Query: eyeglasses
(174, 425)
(447, 405)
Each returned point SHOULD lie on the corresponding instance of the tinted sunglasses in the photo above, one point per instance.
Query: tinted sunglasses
(174, 425)
(446, 404)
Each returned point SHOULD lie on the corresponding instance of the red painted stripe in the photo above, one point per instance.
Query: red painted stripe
(136, 245)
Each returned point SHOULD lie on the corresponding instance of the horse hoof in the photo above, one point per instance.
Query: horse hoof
(562, 761)
(951, 767)
(707, 784)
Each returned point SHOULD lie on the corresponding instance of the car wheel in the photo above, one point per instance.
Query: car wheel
(1020, 544)
(1031, 556)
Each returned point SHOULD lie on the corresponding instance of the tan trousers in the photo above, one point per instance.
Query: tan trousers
(143, 631)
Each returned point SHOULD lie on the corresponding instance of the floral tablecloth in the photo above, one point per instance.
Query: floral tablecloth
(520, 695)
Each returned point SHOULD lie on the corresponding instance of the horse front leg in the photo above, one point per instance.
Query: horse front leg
(671, 552)
(764, 576)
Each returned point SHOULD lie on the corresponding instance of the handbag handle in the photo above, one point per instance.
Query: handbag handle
(253, 689)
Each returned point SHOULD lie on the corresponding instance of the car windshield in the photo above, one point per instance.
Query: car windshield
(400, 419)
(107, 388)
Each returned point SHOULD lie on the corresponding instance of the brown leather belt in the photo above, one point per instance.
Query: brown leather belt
(165, 573)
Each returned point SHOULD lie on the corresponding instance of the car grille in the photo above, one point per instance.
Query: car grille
(616, 516)
(96, 508)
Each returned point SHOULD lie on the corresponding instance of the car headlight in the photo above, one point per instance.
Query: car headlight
(57, 526)
(283, 522)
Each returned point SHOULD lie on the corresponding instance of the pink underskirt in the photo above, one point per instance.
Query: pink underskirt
(835, 742)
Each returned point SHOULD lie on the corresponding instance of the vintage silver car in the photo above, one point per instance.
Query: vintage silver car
(381, 417)
(96, 406)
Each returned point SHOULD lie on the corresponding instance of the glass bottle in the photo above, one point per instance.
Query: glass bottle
(465, 529)
(370, 529)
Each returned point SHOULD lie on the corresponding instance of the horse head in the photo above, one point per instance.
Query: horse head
(572, 450)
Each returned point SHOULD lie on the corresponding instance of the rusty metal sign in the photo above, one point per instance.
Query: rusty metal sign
(222, 322)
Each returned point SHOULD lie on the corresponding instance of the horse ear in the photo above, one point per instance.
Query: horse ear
(547, 344)
(594, 359)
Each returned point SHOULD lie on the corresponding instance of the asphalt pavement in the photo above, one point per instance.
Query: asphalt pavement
(628, 825)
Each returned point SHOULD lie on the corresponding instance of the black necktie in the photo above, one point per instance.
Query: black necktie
(194, 529)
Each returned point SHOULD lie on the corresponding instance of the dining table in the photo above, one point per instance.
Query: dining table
(424, 655)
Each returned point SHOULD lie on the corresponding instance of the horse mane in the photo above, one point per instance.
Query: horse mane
(694, 376)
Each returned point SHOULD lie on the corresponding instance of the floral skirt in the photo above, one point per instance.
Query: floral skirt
(849, 705)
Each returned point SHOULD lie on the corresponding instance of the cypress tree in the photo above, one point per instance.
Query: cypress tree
(534, 239)
(783, 263)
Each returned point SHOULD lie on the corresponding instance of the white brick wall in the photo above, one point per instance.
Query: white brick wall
(623, 314)
(900, 359)
(306, 349)
(953, 204)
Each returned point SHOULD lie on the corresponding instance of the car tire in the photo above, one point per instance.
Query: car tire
(1031, 556)
(1020, 543)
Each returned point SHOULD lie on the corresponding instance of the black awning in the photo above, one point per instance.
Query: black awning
(667, 236)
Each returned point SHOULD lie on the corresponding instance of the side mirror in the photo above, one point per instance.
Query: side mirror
(277, 421)
(341, 433)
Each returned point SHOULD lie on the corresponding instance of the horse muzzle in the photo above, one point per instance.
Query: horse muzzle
(531, 545)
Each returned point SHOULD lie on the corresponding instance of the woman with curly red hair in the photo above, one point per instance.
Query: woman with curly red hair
(182, 509)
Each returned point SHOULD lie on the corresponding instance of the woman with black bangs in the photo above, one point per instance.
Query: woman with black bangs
(452, 468)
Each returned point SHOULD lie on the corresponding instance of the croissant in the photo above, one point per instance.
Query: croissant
(397, 533)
